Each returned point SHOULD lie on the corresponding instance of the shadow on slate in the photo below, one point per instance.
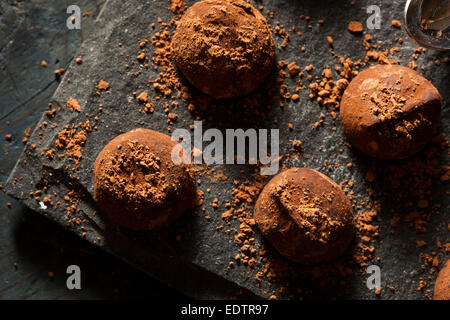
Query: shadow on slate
(197, 265)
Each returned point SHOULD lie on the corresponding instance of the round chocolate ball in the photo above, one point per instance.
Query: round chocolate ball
(390, 111)
(224, 48)
(136, 183)
(305, 215)
(442, 285)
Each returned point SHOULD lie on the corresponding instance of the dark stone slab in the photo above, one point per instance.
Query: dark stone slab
(197, 262)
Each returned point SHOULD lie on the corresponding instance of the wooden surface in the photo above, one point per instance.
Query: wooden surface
(30, 246)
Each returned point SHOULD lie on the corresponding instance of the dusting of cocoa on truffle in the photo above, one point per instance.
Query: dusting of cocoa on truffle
(224, 48)
(442, 286)
(390, 111)
(137, 184)
(305, 215)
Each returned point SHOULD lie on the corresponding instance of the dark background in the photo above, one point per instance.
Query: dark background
(32, 31)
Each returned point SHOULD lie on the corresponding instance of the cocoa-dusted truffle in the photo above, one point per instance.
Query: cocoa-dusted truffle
(442, 285)
(390, 111)
(136, 183)
(224, 48)
(305, 215)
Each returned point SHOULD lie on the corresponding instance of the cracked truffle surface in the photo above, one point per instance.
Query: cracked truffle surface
(136, 183)
(224, 48)
(305, 215)
(390, 111)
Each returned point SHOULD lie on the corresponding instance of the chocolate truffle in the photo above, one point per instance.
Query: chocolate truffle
(305, 215)
(224, 48)
(390, 111)
(442, 285)
(136, 183)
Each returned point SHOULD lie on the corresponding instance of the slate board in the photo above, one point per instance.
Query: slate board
(198, 263)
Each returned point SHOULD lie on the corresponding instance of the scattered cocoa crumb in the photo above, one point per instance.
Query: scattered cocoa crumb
(294, 69)
(72, 139)
(396, 23)
(102, 85)
(143, 97)
(178, 6)
(58, 72)
(73, 105)
(355, 27)
(172, 116)
(330, 40)
(297, 144)
(50, 113)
